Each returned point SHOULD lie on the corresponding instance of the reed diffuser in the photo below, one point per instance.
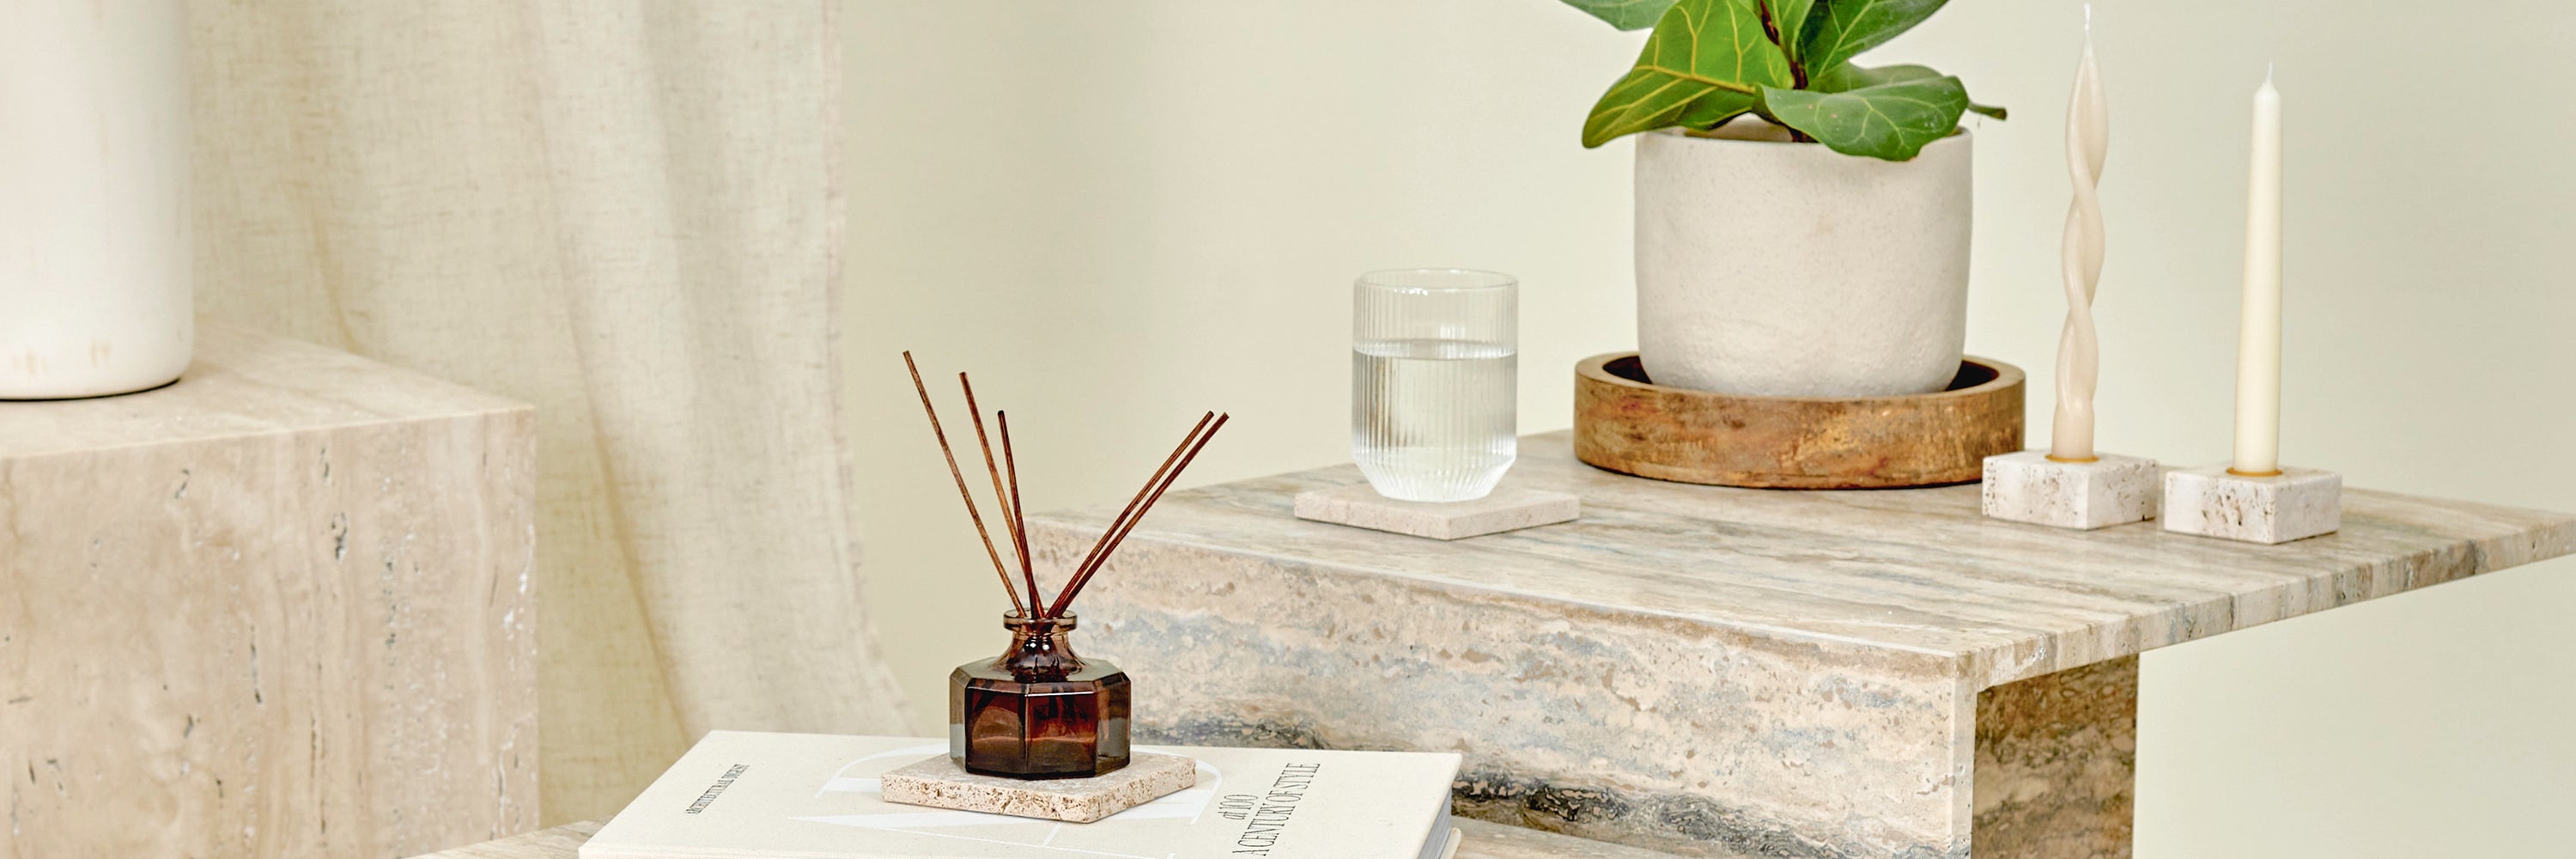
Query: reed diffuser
(1039, 710)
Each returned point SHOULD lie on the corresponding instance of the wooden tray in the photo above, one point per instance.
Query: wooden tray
(1625, 423)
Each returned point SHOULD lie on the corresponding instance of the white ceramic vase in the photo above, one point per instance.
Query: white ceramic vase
(95, 285)
(1772, 268)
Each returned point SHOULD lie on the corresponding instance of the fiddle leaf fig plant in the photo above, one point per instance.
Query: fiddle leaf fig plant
(1786, 61)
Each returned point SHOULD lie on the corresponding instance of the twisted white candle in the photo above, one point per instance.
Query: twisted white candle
(2088, 139)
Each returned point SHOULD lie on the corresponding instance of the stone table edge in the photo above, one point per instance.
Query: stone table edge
(470, 402)
(2554, 536)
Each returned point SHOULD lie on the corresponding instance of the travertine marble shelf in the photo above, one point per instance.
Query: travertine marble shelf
(278, 608)
(1728, 672)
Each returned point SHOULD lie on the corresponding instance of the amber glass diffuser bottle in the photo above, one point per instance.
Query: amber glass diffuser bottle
(1039, 710)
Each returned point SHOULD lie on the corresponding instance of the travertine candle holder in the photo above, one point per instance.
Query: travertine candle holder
(2213, 501)
(2028, 486)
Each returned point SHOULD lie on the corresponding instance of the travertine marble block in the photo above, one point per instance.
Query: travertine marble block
(1727, 672)
(1507, 508)
(940, 783)
(2056, 766)
(2027, 486)
(2212, 501)
(280, 608)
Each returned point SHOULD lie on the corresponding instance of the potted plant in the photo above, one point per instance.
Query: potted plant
(1802, 221)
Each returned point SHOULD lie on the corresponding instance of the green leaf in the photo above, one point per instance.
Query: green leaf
(1704, 65)
(1624, 14)
(1714, 109)
(1891, 120)
(1847, 77)
(1648, 99)
(1849, 27)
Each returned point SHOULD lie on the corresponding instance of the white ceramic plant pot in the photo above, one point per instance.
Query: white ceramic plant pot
(1772, 268)
(95, 286)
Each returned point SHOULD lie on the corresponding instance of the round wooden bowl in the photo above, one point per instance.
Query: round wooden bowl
(1625, 423)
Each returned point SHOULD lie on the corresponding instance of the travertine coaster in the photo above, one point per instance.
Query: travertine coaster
(2030, 487)
(940, 783)
(2214, 502)
(1507, 509)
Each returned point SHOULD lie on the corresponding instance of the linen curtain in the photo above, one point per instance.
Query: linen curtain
(627, 213)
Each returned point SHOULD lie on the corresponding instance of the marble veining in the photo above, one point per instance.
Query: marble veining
(280, 608)
(2056, 771)
(1914, 572)
(1727, 672)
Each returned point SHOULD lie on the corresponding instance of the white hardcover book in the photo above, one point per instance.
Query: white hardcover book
(741, 795)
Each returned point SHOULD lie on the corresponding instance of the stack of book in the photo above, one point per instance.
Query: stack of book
(811, 796)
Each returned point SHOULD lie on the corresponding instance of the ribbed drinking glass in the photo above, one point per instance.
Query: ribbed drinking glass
(1435, 367)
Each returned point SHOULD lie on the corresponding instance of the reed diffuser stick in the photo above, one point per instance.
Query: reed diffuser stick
(1141, 492)
(1019, 511)
(1162, 480)
(962, 492)
(1074, 588)
(1010, 516)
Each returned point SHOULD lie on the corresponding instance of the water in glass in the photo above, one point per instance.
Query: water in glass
(1432, 419)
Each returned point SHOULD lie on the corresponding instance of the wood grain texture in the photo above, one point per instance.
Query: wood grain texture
(1697, 669)
(280, 608)
(1483, 841)
(1624, 423)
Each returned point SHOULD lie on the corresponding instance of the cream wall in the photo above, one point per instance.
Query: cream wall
(1121, 213)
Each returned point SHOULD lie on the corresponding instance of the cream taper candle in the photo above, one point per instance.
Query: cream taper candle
(2258, 342)
(2088, 139)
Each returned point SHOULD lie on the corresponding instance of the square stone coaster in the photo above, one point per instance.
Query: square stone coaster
(2211, 501)
(940, 783)
(1508, 508)
(2027, 486)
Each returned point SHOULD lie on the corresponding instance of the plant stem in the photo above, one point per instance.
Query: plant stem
(1797, 71)
(1771, 30)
